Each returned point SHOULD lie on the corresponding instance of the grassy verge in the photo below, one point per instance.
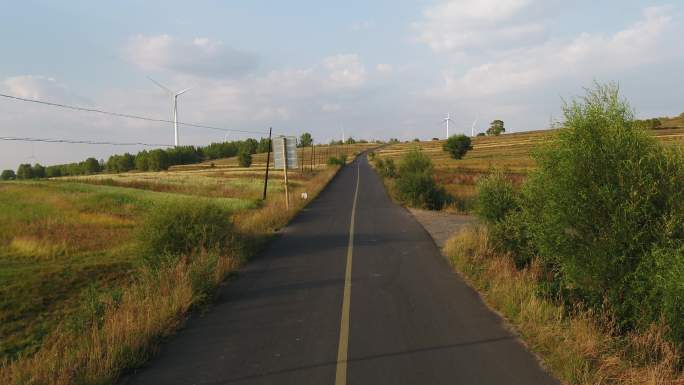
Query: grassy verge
(116, 330)
(579, 348)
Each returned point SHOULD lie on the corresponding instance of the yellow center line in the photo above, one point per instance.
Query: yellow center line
(343, 346)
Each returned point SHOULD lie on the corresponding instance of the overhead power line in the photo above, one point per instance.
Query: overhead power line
(122, 115)
(50, 140)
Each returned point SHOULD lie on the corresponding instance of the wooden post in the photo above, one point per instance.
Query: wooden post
(268, 160)
(287, 194)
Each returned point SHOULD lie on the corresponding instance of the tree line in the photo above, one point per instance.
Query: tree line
(152, 160)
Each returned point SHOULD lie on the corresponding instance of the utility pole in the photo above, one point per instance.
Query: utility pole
(268, 161)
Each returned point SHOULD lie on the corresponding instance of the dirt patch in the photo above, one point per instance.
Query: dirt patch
(441, 225)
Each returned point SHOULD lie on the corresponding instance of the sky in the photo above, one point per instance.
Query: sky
(375, 69)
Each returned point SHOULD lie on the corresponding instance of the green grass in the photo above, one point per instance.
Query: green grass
(59, 241)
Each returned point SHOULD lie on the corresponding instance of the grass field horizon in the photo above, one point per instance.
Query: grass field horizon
(510, 153)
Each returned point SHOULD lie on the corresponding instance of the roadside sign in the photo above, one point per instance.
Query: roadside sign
(289, 143)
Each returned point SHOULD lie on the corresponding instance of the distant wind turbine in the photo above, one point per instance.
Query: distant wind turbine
(175, 96)
(447, 120)
(472, 128)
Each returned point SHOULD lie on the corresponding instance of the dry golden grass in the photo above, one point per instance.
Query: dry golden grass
(511, 153)
(579, 348)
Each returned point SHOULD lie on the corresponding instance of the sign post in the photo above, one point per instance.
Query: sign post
(268, 161)
(285, 156)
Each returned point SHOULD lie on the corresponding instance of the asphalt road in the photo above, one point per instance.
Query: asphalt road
(397, 312)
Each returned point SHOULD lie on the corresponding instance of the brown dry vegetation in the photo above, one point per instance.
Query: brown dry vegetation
(579, 348)
(510, 153)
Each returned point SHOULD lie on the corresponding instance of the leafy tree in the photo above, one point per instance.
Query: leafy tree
(264, 145)
(158, 160)
(142, 161)
(8, 175)
(350, 140)
(457, 146)
(38, 171)
(251, 145)
(53, 171)
(305, 140)
(91, 166)
(244, 159)
(496, 128)
(24, 171)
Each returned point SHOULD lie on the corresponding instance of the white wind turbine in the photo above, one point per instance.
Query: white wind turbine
(447, 120)
(472, 128)
(175, 96)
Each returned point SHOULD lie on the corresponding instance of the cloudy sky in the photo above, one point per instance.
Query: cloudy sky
(377, 69)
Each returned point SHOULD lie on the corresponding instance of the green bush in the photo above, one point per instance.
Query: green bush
(386, 168)
(496, 197)
(341, 161)
(604, 197)
(244, 159)
(457, 146)
(415, 185)
(173, 230)
(8, 175)
(510, 235)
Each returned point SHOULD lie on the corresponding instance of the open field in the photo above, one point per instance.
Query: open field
(224, 177)
(58, 240)
(511, 153)
(67, 242)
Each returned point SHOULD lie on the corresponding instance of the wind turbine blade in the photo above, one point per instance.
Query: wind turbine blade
(160, 85)
(182, 92)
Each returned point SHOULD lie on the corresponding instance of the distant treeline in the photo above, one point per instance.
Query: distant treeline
(153, 160)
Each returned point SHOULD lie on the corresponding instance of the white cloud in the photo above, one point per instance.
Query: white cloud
(37, 87)
(461, 26)
(384, 68)
(588, 54)
(199, 57)
(345, 71)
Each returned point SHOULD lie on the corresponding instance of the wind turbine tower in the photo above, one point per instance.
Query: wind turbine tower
(175, 96)
(447, 120)
(472, 128)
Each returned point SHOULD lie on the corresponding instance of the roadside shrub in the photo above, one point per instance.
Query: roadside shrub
(495, 198)
(341, 161)
(657, 288)
(510, 235)
(386, 168)
(244, 159)
(415, 162)
(415, 185)
(457, 146)
(173, 230)
(605, 199)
